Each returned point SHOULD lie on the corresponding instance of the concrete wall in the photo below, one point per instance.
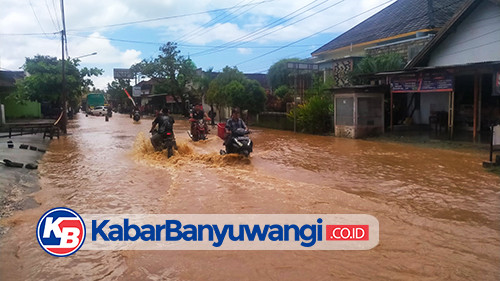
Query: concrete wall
(476, 39)
(274, 120)
(366, 111)
(407, 48)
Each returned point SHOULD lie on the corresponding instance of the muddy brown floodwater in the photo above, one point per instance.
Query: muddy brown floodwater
(439, 211)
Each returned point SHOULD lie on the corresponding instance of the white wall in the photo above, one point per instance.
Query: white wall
(2, 115)
(476, 39)
(430, 102)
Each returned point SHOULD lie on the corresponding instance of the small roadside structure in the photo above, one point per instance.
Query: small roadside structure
(494, 146)
(359, 111)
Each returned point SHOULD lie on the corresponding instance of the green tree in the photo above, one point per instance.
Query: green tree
(232, 88)
(44, 82)
(315, 114)
(320, 86)
(375, 64)
(278, 74)
(175, 72)
(256, 96)
(203, 81)
(283, 91)
(115, 90)
(238, 96)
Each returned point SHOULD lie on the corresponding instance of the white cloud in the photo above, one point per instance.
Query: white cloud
(102, 81)
(107, 53)
(245, 51)
(107, 57)
(94, 17)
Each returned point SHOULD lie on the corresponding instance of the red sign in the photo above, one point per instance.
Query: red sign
(347, 232)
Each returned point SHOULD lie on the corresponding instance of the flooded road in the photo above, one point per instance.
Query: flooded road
(439, 211)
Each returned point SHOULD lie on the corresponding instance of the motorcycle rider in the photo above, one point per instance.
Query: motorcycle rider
(198, 114)
(165, 124)
(135, 113)
(234, 123)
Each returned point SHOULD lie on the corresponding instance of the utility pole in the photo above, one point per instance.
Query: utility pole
(295, 101)
(64, 98)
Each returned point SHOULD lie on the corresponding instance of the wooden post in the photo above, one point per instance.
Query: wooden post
(295, 103)
(64, 98)
(492, 131)
(392, 105)
(476, 105)
(479, 97)
(451, 112)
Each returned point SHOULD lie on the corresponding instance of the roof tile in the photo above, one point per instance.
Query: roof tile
(403, 16)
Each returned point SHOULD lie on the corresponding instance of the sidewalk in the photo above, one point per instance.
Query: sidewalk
(16, 184)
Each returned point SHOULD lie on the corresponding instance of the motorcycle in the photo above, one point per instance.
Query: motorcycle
(137, 116)
(199, 129)
(239, 143)
(167, 142)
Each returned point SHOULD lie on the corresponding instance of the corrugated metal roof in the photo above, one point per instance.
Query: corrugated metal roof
(401, 17)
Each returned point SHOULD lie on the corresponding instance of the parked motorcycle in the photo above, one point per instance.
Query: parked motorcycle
(167, 142)
(239, 143)
(199, 129)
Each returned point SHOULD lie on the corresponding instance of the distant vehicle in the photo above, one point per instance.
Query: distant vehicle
(94, 99)
(99, 110)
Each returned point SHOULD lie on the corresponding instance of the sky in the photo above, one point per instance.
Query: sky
(249, 34)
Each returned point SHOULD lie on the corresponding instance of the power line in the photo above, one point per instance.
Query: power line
(285, 26)
(316, 33)
(29, 34)
(234, 17)
(272, 24)
(374, 28)
(56, 14)
(180, 45)
(230, 19)
(289, 56)
(51, 17)
(36, 17)
(217, 18)
(163, 18)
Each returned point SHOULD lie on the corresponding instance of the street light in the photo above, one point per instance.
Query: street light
(87, 55)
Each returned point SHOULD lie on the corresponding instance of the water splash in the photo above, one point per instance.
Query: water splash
(144, 153)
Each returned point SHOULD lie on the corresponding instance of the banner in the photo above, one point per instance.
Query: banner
(422, 82)
(126, 92)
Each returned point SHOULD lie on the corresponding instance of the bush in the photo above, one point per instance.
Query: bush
(314, 116)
